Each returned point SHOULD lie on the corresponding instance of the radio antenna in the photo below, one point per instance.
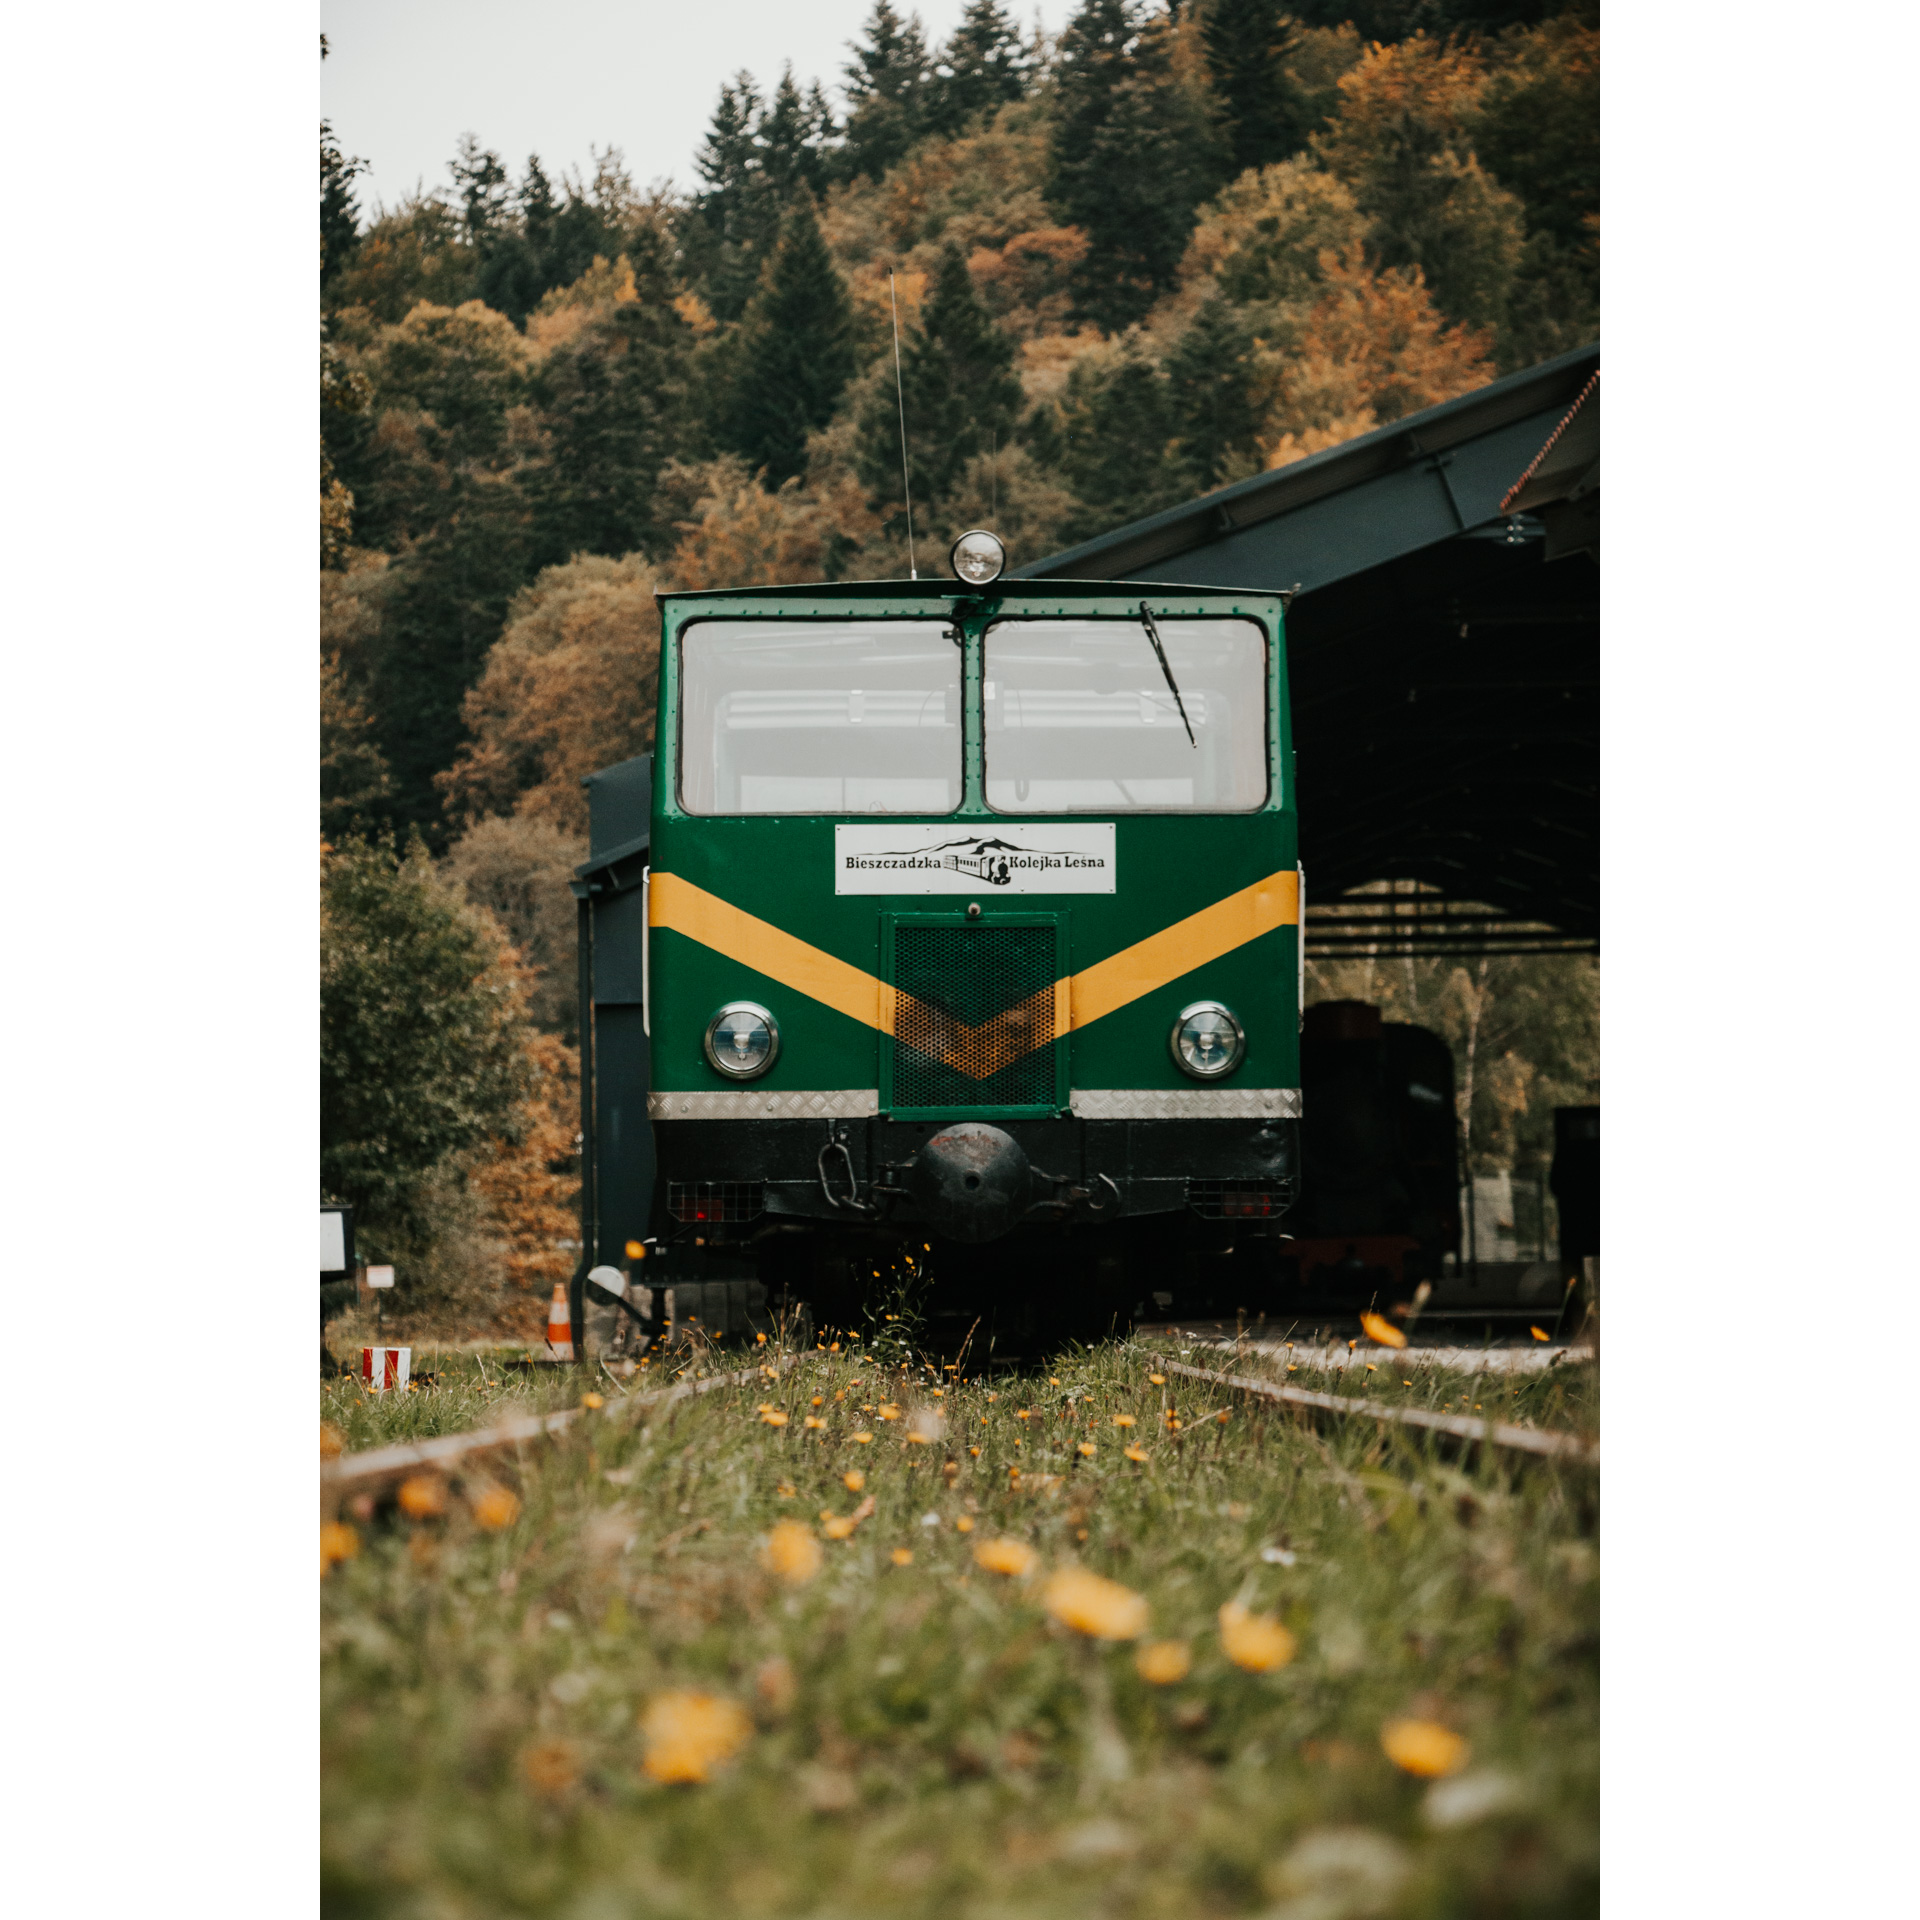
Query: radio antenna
(900, 394)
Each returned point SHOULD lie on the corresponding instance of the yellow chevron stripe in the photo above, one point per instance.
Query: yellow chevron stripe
(1150, 963)
(1079, 1000)
(717, 923)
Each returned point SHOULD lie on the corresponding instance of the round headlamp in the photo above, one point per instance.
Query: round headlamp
(977, 557)
(742, 1040)
(1208, 1041)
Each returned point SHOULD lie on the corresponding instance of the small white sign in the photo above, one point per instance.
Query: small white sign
(379, 1276)
(1036, 857)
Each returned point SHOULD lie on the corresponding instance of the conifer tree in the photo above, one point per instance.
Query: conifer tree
(1130, 158)
(887, 84)
(959, 390)
(514, 274)
(796, 353)
(1113, 435)
(339, 213)
(757, 157)
(1210, 376)
(484, 191)
(725, 157)
(726, 162)
(984, 65)
(788, 140)
(615, 407)
(1261, 108)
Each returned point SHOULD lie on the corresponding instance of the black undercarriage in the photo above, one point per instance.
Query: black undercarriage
(1076, 1227)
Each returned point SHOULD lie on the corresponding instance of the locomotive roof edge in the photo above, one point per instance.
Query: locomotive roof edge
(1004, 588)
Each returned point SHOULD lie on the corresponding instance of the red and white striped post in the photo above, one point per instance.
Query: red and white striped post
(384, 1368)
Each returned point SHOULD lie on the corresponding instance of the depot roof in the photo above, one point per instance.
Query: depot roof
(1443, 650)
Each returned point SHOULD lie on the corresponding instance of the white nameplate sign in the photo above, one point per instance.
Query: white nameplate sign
(1038, 857)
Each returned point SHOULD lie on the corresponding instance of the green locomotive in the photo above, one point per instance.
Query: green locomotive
(972, 926)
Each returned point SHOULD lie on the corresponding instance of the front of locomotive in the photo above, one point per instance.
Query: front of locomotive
(973, 925)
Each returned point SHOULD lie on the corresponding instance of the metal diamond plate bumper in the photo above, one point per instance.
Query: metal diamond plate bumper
(844, 1103)
(1186, 1103)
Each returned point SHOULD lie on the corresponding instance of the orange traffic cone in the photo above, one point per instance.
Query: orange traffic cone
(559, 1325)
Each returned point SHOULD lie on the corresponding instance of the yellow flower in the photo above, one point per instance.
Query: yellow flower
(837, 1526)
(333, 1443)
(819, 1400)
(338, 1541)
(1538, 1335)
(888, 1411)
(759, 1339)
(422, 1496)
(974, 1451)
(1162, 1662)
(813, 1420)
(1381, 1331)
(964, 1524)
(1011, 1557)
(853, 1480)
(1423, 1747)
(834, 1347)
(1256, 1641)
(903, 1556)
(918, 1440)
(550, 1767)
(1052, 1381)
(773, 1417)
(1136, 1453)
(498, 1507)
(791, 1552)
(1158, 1379)
(1101, 1609)
(1223, 1416)
(689, 1734)
(863, 1439)
(1088, 1448)
(785, 1490)
(1123, 1419)
(592, 1402)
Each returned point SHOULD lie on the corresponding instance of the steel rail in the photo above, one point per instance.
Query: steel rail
(1450, 1426)
(381, 1467)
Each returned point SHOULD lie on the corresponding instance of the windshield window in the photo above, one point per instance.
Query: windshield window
(1080, 719)
(799, 716)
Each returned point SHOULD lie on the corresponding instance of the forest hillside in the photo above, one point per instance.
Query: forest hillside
(1161, 251)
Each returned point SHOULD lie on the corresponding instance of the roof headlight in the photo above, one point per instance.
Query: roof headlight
(743, 1040)
(977, 557)
(1208, 1042)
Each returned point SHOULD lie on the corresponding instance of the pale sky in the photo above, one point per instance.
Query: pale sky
(407, 77)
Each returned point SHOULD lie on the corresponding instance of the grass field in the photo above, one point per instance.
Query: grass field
(654, 1682)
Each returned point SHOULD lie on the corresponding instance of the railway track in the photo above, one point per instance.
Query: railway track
(377, 1471)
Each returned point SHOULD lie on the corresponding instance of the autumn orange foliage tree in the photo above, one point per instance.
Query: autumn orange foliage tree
(567, 688)
(533, 1184)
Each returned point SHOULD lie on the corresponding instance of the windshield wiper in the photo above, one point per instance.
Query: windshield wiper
(1160, 654)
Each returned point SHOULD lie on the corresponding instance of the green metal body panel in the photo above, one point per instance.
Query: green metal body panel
(780, 869)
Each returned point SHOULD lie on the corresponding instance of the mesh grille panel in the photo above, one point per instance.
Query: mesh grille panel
(711, 1200)
(1239, 1199)
(974, 1016)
